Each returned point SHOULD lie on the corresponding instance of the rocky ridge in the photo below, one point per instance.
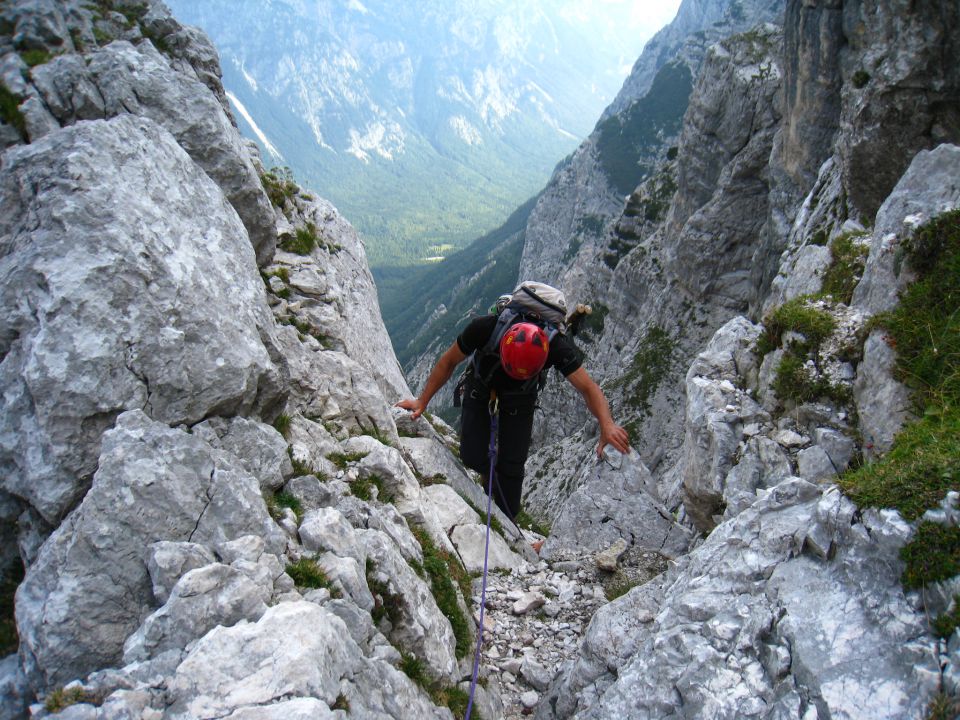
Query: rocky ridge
(276, 544)
(213, 476)
(735, 455)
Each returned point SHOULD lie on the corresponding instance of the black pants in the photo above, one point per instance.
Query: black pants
(515, 424)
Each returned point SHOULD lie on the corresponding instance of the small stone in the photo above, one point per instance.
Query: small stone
(790, 439)
(511, 666)
(529, 699)
(536, 674)
(527, 602)
(608, 559)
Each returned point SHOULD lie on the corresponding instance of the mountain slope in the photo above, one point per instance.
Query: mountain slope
(425, 122)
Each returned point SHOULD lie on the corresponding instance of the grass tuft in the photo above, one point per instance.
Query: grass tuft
(282, 424)
(341, 460)
(362, 488)
(528, 522)
(302, 242)
(10, 111)
(848, 258)
(649, 367)
(62, 698)
(306, 573)
(443, 570)
(944, 625)
(796, 316)
(279, 185)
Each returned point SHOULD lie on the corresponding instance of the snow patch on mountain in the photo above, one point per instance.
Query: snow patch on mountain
(271, 148)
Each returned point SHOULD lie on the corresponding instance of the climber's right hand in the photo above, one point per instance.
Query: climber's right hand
(413, 405)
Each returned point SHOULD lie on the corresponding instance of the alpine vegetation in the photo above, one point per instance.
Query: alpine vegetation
(211, 507)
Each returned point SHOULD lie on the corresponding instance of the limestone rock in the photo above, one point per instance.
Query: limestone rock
(327, 529)
(329, 385)
(310, 444)
(421, 628)
(430, 459)
(717, 615)
(168, 561)
(201, 600)
(296, 650)
(527, 602)
(470, 540)
(612, 504)
(883, 403)
(763, 464)
(74, 363)
(121, 78)
(450, 508)
(89, 588)
(716, 414)
(607, 559)
(928, 187)
(259, 447)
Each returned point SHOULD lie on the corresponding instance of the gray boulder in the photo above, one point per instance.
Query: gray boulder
(297, 650)
(930, 186)
(429, 458)
(122, 78)
(89, 589)
(260, 448)
(717, 638)
(168, 561)
(614, 503)
(884, 404)
(470, 539)
(95, 318)
(328, 385)
(717, 413)
(763, 464)
(202, 599)
(420, 627)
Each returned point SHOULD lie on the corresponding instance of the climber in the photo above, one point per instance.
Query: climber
(511, 370)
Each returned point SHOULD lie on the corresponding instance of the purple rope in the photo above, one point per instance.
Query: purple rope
(492, 451)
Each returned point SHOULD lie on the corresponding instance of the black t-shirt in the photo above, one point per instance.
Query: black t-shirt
(563, 354)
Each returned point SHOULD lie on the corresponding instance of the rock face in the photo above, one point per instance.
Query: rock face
(96, 320)
(184, 559)
(150, 326)
(753, 471)
(725, 624)
(683, 250)
(89, 586)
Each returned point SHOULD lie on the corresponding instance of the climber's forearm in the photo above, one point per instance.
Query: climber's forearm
(441, 373)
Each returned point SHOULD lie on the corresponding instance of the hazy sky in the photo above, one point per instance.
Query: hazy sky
(639, 19)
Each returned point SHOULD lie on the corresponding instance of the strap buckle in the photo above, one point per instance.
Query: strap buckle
(494, 405)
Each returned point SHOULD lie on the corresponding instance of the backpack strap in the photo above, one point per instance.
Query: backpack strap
(508, 316)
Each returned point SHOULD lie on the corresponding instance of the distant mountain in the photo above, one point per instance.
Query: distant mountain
(425, 122)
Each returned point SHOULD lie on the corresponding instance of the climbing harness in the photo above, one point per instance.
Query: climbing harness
(494, 408)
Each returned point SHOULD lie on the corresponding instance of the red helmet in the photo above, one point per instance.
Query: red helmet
(523, 350)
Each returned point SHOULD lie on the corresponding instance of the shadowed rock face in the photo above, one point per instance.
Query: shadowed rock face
(127, 282)
(899, 90)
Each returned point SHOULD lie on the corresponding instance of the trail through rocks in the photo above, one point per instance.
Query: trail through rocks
(536, 614)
